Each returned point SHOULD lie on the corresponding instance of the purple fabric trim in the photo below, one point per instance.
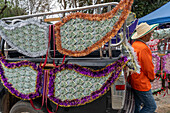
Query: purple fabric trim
(88, 72)
(10, 87)
(116, 66)
(165, 63)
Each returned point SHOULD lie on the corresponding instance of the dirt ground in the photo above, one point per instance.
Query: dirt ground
(163, 103)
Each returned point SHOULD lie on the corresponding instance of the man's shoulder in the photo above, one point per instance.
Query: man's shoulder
(140, 45)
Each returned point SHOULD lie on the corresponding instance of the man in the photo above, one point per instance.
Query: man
(141, 82)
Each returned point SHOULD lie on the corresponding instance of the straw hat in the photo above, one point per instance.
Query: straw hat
(143, 29)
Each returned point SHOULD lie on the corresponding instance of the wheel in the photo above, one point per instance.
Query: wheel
(8, 52)
(5, 103)
(25, 107)
(129, 106)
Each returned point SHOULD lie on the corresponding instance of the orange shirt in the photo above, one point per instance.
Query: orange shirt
(141, 82)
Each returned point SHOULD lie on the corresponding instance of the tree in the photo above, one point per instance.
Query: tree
(7, 9)
(139, 7)
(144, 7)
(34, 6)
(3, 6)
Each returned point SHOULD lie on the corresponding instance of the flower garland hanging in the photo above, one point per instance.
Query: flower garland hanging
(161, 33)
(133, 64)
(156, 85)
(156, 62)
(153, 44)
(166, 63)
(79, 34)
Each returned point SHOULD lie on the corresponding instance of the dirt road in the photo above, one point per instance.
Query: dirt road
(163, 103)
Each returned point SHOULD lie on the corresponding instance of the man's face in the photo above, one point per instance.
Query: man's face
(148, 36)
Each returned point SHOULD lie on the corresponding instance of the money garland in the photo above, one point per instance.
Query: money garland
(156, 62)
(166, 63)
(79, 34)
(84, 84)
(29, 37)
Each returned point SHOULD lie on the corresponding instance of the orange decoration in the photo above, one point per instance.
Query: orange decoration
(125, 5)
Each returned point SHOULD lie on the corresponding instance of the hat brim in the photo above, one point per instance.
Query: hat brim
(136, 36)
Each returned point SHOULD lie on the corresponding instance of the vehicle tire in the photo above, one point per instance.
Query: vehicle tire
(5, 103)
(129, 105)
(2, 93)
(25, 107)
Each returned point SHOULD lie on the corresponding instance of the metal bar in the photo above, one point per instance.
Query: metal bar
(60, 11)
(43, 59)
(79, 61)
(109, 43)
(10, 49)
(124, 37)
(124, 27)
(101, 49)
(128, 33)
(110, 49)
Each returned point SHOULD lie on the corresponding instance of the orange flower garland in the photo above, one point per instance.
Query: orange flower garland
(125, 5)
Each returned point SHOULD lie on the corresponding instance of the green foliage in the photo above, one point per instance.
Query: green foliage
(144, 7)
(8, 10)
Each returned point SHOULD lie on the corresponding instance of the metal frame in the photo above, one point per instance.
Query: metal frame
(61, 11)
(80, 61)
(100, 61)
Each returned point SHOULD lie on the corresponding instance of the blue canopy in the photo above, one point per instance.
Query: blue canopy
(161, 15)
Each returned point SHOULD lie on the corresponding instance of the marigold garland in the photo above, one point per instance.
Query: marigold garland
(125, 5)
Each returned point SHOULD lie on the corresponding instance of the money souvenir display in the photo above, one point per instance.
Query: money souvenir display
(156, 85)
(74, 85)
(161, 33)
(166, 63)
(67, 85)
(153, 44)
(79, 34)
(29, 37)
(22, 79)
(156, 62)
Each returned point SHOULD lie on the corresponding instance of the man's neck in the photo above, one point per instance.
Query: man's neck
(141, 41)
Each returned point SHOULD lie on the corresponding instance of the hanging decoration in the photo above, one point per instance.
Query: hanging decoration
(166, 63)
(74, 85)
(156, 85)
(133, 64)
(79, 34)
(156, 62)
(161, 33)
(153, 43)
(67, 85)
(22, 79)
(29, 37)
